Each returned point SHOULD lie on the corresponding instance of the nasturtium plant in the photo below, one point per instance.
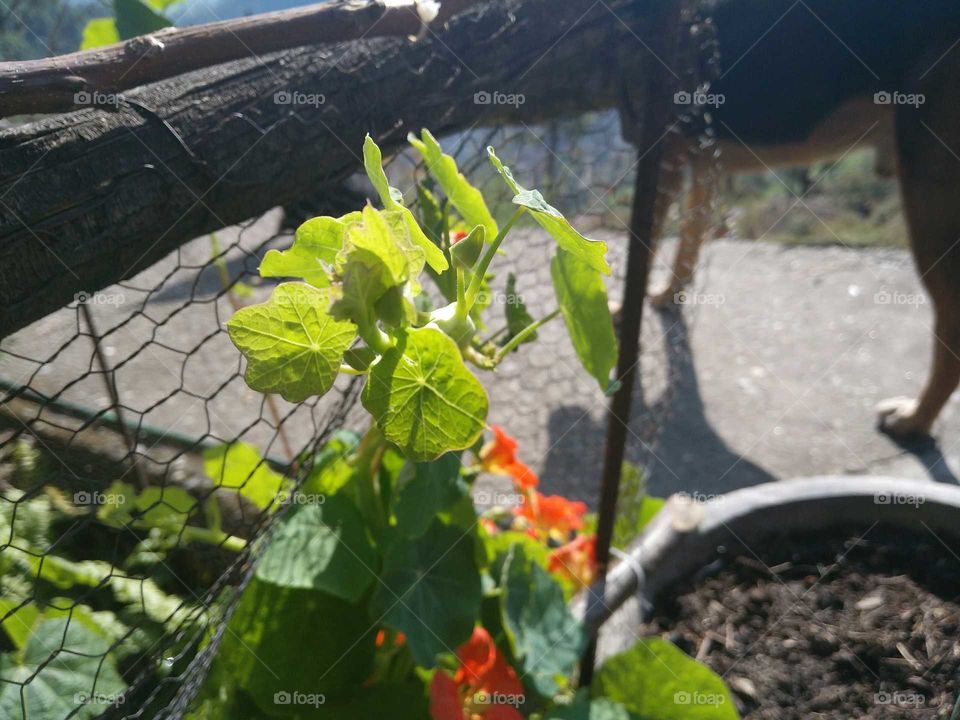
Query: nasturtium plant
(382, 575)
(357, 311)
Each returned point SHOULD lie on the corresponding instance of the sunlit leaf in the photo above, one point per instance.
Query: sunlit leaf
(462, 195)
(99, 32)
(316, 241)
(392, 199)
(323, 546)
(430, 591)
(292, 345)
(655, 680)
(377, 257)
(582, 297)
(592, 252)
(239, 467)
(424, 398)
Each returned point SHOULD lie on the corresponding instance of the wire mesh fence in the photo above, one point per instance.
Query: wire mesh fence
(140, 477)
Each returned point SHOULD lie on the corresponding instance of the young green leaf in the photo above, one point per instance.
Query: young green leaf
(461, 194)
(592, 252)
(238, 466)
(518, 318)
(392, 199)
(377, 257)
(322, 546)
(430, 590)
(292, 345)
(466, 252)
(541, 628)
(654, 679)
(582, 297)
(424, 398)
(65, 671)
(316, 241)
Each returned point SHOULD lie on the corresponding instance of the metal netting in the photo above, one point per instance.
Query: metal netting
(133, 391)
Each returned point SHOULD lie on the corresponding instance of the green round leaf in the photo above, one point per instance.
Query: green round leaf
(292, 345)
(655, 680)
(543, 631)
(64, 670)
(424, 398)
(430, 591)
(322, 546)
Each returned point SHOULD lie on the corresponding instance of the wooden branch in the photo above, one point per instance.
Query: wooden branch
(94, 197)
(67, 82)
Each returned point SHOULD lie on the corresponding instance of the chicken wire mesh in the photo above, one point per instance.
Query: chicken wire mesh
(133, 458)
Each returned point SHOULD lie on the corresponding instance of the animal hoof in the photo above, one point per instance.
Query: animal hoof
(898, 418)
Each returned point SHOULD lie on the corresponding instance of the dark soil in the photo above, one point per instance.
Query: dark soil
(843, 625)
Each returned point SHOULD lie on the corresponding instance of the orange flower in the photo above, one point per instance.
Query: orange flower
(551, 517)
(576, 561)
(457, 235)
(398, 640)
(499, 456)
(485, 687)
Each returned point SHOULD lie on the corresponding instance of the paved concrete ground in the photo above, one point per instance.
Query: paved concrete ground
(772, 372)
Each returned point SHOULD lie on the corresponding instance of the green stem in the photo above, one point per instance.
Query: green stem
(480, 271)
(462, 309)
(523, 335)
(214, 537)
(347, 370)
(375, 338)
(367, 461)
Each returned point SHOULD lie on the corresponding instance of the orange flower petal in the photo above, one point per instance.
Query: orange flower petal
(445, 702)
